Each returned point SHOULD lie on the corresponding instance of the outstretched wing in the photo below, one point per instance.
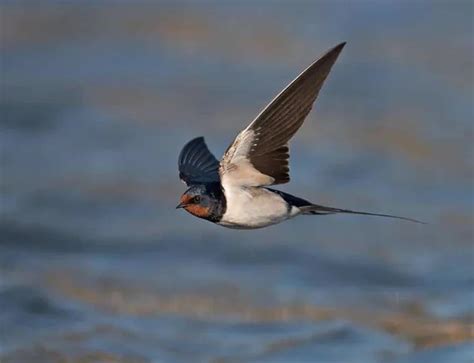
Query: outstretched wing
(196, 164)
(259, 154)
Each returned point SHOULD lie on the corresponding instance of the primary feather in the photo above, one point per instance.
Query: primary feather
(196, 164)
(259, 154)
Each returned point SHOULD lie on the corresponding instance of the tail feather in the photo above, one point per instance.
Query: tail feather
(315, 209)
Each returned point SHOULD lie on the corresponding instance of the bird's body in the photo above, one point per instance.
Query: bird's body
(254, 207)
(235, 192)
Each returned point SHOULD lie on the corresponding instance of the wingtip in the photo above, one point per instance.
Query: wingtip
(339, 47)
(333, 53)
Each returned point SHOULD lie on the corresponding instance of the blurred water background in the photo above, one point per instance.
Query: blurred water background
(96, 265)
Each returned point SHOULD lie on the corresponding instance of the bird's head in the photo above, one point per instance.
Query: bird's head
(197, 201)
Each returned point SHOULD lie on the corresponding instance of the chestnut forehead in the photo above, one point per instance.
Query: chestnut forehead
(186, 198)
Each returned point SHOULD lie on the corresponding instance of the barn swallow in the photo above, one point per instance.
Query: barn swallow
(234, 192)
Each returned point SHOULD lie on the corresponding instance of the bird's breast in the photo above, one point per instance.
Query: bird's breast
(253, 207)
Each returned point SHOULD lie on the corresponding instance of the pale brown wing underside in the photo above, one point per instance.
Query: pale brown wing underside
(259, 154)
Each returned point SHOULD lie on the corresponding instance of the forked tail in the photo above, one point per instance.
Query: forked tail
(315, 209)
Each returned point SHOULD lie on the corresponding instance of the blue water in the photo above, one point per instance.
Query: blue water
(97, 99)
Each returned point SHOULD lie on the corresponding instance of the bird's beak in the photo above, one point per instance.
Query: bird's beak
(180, 205)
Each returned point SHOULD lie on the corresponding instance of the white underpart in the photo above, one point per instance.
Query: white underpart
(253, 207)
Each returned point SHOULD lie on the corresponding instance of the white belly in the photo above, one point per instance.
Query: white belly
(253, 207)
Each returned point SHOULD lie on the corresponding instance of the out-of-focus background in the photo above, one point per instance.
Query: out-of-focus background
(96, 265)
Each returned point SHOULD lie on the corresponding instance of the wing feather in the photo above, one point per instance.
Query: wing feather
(196, 164)
(259, 154)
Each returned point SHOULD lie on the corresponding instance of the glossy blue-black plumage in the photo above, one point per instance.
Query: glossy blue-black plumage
(196, 163)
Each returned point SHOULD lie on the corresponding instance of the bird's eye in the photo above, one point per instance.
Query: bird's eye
(197, 199)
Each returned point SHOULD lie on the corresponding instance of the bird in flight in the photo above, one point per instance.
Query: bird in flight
(235, 192)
